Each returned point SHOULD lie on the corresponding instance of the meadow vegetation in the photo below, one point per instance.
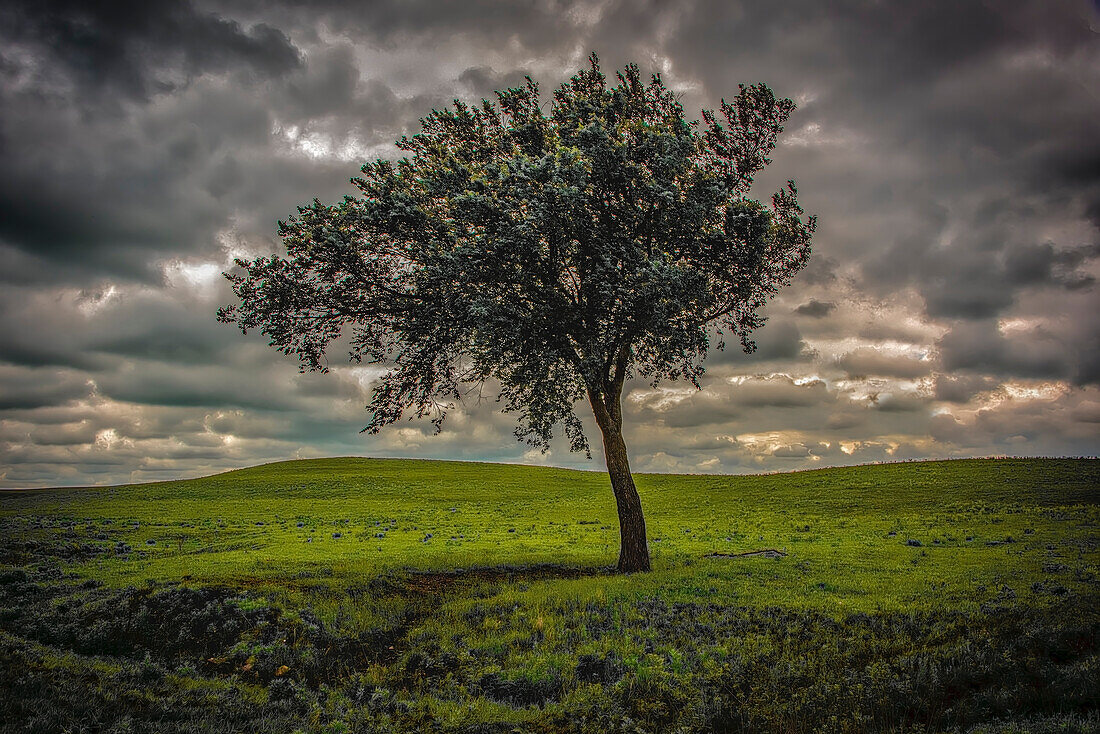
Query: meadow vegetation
(366, 595)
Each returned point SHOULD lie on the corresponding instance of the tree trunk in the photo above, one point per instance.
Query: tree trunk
(633, 548)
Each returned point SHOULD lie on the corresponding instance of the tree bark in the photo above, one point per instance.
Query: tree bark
(633, 548)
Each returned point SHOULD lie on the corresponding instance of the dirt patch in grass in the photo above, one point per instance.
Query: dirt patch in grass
(764, 553)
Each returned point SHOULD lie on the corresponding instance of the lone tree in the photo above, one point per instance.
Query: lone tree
(555, 255)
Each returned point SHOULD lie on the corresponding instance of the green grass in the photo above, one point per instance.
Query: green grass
(477, 594)
(846, 529)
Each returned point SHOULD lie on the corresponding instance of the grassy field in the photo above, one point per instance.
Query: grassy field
(390, 595)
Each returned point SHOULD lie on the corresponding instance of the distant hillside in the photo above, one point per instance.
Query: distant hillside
(917, 483)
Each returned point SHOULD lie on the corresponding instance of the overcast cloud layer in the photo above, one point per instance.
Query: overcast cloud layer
(950, 150)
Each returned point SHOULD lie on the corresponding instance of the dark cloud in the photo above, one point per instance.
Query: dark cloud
(1044, 265)
(134, 49)
(820, 270)
(1087, 412)
(815, 308)
(844, 420)
(172, 385)
(979, 280)
(981, 347)
(37, 387)
(420, 23)
(133, 132)
(328, 84)
(69, 434)
(1085, 347)
(962, 388)
(901, 402)
(483, 81)
(780, 392)
(778, 340)
(153, 330)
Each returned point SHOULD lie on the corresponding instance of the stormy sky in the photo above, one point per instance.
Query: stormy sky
(950, 150)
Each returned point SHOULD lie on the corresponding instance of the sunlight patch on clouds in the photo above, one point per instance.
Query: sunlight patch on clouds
(664, 65)
(108, 439)
(1035, 390)
(201, 277)
(860, 389)
(813, 135)
(660, 398)
(235, 244)
(833, 350)
(365, 376)
(799, 381)
(805, 97)
(663, 462)
(1018, 392)
(91, 302)
(537, 456)
(767, 443)
(1006, 326)
(317, 145)
(1009, 396)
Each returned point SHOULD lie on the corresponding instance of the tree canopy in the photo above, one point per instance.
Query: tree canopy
(554, 255)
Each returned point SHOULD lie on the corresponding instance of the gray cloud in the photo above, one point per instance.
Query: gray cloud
(981, 347)
(949, 149)
(781, 339)
(35, 388)
(869, 361)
